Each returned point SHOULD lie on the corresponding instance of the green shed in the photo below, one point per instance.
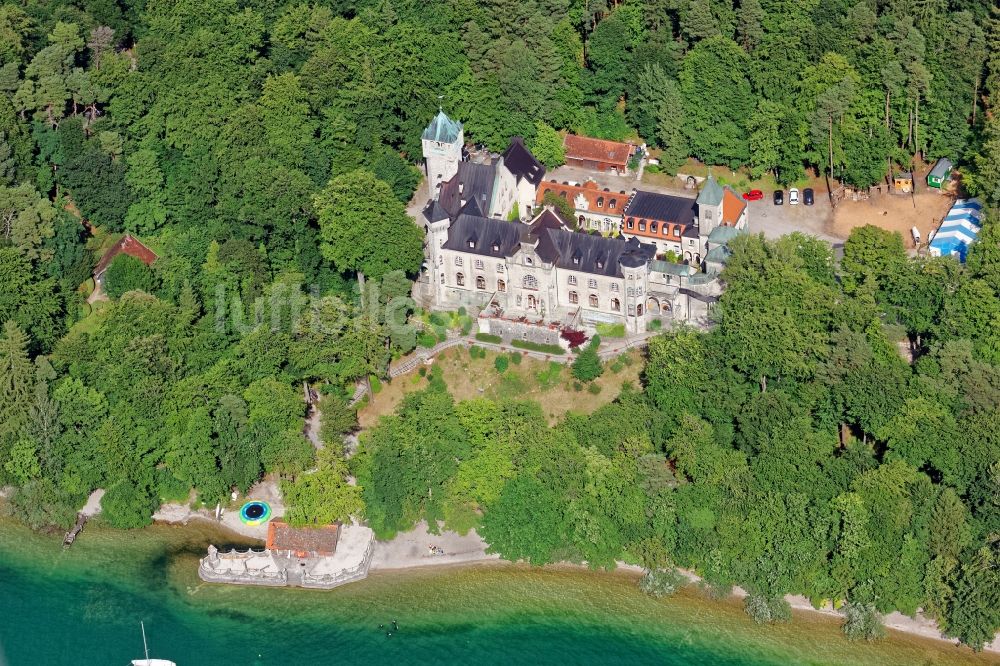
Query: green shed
(940, 174)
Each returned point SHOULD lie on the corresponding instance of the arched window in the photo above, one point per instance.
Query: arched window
(501, 286)
(616, 305)
(530, 282)
(573, 298)
(480, 282)
(593, 300)
(600, 202)
(652, 227)
(612, 204)
(639, 309)
(459, 279)
(582, 221)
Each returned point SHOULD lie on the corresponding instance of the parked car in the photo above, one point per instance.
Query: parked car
(808, 197)
(779, 197)
(753, 195)
(793, 197)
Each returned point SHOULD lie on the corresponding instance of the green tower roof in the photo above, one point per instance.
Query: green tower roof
(711, 193)
(443, 129)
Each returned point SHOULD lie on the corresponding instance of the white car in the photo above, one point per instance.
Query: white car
(793, 197)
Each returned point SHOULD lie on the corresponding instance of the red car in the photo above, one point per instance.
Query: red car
(753, 195)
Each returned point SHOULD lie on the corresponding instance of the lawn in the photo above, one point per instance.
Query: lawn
(548, 382)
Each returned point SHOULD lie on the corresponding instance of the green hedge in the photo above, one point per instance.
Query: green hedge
(486, 337)
(534, 346)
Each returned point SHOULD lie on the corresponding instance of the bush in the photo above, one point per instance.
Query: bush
(422, 372)
(477, 352)
(127, 273)
(438, 319)
(426, 340)
(862, 621)
(662, 582)
(577, 386)
(462, 311)
(593, 388)
(549, 377)
(536, 347)
(765, 610)
(617, 366)
(654, 325)
(587, 367)
(501, 363)
(515, 358)
(486, 337)
(375, 383)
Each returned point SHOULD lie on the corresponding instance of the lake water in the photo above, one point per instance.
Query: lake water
(83, 606)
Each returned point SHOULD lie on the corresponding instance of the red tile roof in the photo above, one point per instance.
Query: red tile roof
(598, 150)
(732, 207)
(592, 194)
(130, 246)
(303, 540)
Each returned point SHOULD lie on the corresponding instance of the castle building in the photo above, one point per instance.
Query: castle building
(532, 278)
(597, 208)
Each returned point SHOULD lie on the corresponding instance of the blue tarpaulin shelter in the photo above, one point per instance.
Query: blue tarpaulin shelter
(958, 230)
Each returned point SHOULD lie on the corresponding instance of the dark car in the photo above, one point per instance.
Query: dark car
(779, 197)
(808, 197)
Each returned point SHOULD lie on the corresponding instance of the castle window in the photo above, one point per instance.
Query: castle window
(530, 282)
(501, 286)
(571, 280)
(496, 247)
(642, 225)
(458, 261)
(459, 279)
(442, 278)
(612, 204)
(472, 243)
(573, 297)
(592, 283)
(593, 300)
(527, 261)
(480, 282)
(600, 202)
(479, 264)
(600, 264)
(630, 291)
(652, 227)
(631, 223)
(639, 309)
(499, 268)
(616, 305)
(614, 287)
(440, 261)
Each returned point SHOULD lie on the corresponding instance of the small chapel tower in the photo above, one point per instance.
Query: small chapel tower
(443, 140)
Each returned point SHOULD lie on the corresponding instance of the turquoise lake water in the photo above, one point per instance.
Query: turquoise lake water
(83, 606)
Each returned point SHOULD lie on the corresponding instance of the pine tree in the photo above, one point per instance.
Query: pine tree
(16, 381)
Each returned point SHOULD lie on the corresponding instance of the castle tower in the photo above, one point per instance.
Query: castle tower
(442, 140)
(709, 206)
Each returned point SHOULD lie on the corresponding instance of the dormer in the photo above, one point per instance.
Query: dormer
(472, 240)
(577, 257)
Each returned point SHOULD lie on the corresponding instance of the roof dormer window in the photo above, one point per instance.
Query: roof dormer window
(461, 187)
(600, 202)
(600, 264)
(496, 247)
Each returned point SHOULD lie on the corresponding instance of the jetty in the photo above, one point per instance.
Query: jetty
(90, 509)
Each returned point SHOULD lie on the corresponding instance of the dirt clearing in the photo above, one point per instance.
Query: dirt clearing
(895, 212)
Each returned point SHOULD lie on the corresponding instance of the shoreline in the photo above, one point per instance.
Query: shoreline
(402, 554)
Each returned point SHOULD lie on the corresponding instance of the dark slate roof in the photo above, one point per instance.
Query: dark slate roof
(434, 212)
(661, 207)
(519, 160)
(691, 231)
(565, 246)
(475, 182)
(443, 129)
(484, 234)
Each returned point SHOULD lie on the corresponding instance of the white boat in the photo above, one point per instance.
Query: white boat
(147, 661)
